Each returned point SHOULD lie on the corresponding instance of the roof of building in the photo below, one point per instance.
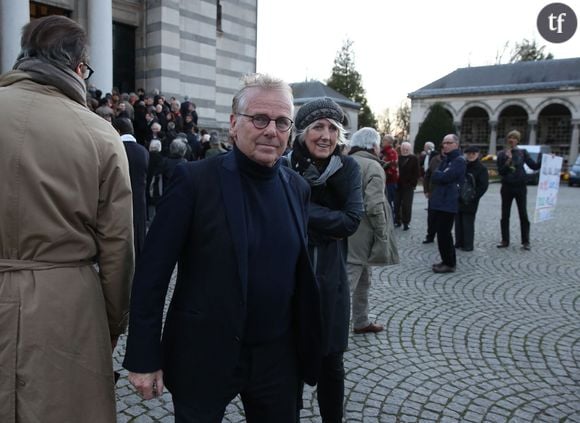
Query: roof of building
(543, 75)
(309, 90)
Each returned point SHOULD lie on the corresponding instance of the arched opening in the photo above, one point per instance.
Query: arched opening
(554, 128)
(475, 128)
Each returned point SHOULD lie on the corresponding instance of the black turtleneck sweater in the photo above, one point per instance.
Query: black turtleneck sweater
(273, 249)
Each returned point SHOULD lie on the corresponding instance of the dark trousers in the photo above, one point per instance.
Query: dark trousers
(464, 230)
(404, 204)
(330, 391)
(391, 193)
(430, 224)
(443, 227)
(520, 194)
(266, 379)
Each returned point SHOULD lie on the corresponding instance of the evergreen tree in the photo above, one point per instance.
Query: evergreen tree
(348, 81)
(436, 125)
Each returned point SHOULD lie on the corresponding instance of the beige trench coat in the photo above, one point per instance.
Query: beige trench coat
(65, 202)
(373, 244)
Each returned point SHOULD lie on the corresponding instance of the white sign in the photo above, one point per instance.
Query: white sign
(548, 187)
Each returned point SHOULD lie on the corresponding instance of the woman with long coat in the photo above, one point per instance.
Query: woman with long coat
(334, 214)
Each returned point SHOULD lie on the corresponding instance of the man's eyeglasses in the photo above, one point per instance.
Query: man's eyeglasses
(262, 121)
(88, 71)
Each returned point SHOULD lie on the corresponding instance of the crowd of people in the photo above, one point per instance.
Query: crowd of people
(268, 254)
(167, 128)
(454, 181)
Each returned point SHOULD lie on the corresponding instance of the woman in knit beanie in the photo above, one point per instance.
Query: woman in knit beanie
(335, 211)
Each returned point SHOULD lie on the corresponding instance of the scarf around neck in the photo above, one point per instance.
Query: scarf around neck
(302, 162)
(39, 71)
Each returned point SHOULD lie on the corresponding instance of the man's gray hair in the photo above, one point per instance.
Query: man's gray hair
(429, 145)
(262, 81)
(177, 147)
(365, 138)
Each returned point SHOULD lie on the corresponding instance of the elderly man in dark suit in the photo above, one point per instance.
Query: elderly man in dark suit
(245, 314)
(408, 178)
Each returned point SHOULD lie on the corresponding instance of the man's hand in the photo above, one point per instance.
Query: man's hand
(148, 385)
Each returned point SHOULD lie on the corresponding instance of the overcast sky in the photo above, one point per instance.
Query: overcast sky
(400, 46)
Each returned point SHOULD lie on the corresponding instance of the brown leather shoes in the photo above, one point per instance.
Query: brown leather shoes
(371, 328)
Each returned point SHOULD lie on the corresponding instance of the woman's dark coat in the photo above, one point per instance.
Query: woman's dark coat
(481, 177)
(335, 212)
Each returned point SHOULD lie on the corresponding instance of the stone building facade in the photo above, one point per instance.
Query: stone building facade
(540, 99)
(193, 48)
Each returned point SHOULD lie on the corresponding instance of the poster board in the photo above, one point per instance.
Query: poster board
(548, 186)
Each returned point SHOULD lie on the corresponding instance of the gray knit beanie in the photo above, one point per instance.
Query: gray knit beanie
(320, 108)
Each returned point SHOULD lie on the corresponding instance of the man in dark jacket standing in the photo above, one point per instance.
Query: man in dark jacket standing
(476, 173)
(444, 200)
(510, 166)
(408, 178)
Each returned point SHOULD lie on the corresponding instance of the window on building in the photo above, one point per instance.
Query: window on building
(218, 17)
(475, 128)
(554, 128)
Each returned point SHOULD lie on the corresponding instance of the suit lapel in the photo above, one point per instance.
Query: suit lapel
(293, 201)
(233, 200)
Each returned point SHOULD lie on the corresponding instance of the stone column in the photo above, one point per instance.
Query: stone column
(100, 31)
(575, 142)
(457, 126)
(492, 137)
(14, 14)
(532, 126)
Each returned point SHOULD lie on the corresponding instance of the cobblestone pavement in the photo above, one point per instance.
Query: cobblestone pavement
(497, 341)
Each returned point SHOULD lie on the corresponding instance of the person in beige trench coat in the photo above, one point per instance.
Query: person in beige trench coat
(65, 207)
(373, 244)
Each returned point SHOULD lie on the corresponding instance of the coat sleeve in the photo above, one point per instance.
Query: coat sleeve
(452, 174)
(374, 200)
(164, 243)
(502, 165)
(343, 222)
(114, 234)
(482, 181)
(534, 165)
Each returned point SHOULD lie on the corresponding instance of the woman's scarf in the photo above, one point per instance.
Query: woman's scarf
(62, 78)
(302, 162)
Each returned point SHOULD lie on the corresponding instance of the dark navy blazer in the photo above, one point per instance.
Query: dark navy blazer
(200, 224)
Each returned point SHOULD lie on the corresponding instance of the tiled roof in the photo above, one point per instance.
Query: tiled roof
(543, 75)
(306, 91)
